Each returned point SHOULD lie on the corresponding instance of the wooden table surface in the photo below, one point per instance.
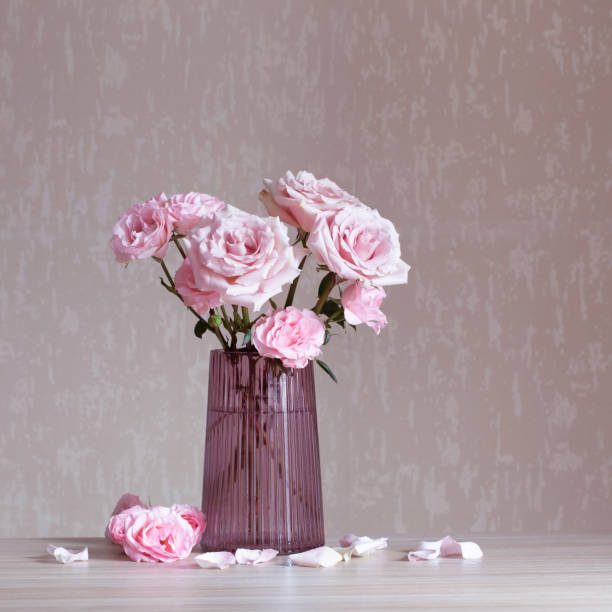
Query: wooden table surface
(544, 572)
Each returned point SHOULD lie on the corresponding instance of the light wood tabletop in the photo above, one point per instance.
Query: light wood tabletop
(543, 572)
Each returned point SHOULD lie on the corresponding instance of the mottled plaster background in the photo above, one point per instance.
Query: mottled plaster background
(482, 129)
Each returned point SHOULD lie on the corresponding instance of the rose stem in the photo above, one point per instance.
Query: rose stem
(237, 320)
(179, 247)
(230, 328)
(294, 284)
(178, 295)
(326, 291)
(245, 317)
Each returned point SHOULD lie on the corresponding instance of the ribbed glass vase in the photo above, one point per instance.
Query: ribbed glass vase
(262, 475)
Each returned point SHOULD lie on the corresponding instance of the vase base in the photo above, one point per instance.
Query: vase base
(282, 550)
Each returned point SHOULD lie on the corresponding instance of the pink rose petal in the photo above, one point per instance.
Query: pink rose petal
(216, 560)
(324, 556)
(446, 547)
(127, 500)
(348, 539)
(248, 556)
(64, 555)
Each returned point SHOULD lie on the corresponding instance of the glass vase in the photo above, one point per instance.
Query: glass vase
(262, 474)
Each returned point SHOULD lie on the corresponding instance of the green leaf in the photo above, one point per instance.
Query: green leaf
(327, 370)
(273, 304)
(200, 328)
(338, 315)
(323, 284)
(247, 338)
(327, 336)
(330, 308)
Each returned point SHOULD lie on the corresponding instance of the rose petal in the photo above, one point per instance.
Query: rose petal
(366, 546)
(348, 539)
(360, 546)
(324, 556)
(470, 550)
(63, 555)
(248, 556)
(127, 500)
(446, 547)
(216, 560)
(423, 555)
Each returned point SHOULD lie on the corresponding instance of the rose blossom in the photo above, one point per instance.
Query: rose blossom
(117, 524)
(115, 528)
(297, 200)
(361, 305)
(143, 230)
(194, 517)
(158, 534)
(292, 335)
(244, 258)
(200, 301)
(358, 244)
(190, 209)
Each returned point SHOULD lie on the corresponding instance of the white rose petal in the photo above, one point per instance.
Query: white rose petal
(324, 556)
(446, 547)
(215, 560)
(247, 556)
(360, 546)
(63, 555)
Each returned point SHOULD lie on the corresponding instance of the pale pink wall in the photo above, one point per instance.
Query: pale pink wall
(482, 129)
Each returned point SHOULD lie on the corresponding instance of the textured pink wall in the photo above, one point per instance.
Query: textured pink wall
(482, 129)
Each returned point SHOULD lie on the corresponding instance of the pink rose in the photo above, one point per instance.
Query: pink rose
(297, 200)
(242, 257)
(158, 534)
(194, 517)
(190, 209)
(143, 230)
(358, 244)
(361, 305)
(115, 530)
(200, 301)
(292, 335)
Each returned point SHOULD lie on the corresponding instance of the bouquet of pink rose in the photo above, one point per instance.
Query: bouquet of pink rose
(242, 261)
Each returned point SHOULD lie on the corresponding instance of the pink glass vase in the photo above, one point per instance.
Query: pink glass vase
(262, 475)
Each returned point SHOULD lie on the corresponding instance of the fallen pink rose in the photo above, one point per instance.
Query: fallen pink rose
(115, 528)
(248, 556)
(194, 517)
(157, 534)
(360, 546)
(446, 547)
(215, 560)
(324, 556)
(64, 555)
